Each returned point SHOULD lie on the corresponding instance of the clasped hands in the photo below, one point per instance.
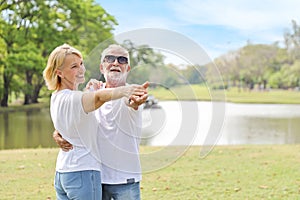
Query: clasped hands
(133, 101)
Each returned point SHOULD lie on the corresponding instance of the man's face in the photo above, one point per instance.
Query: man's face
(115, 68)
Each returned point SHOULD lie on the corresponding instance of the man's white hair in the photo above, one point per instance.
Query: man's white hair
(115, 47)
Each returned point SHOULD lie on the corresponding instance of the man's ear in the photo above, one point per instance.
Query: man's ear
(60, 73)
(128, 68)
(101, 68)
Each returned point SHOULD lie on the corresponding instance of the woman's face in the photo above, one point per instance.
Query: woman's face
(72, 73)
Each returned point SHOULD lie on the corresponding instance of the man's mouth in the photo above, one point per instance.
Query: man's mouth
(115, 70)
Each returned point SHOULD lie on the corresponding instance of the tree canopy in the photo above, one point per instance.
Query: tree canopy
(31, 29)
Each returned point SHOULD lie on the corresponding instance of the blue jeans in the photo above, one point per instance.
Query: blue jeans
(129, 191)
(81, 185)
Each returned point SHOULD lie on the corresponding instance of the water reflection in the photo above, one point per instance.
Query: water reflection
(261, 124)
(26, 129)
(261, 130)
(243, 124)
(176, 123)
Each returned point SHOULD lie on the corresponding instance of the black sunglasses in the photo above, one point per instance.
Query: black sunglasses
(111, 59)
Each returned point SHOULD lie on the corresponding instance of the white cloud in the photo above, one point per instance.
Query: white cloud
(218, 26)
(244, 15)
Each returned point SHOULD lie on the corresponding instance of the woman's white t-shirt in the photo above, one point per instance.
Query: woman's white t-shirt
(78, 128)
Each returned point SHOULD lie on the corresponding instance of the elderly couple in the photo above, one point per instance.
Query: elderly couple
(98, 130)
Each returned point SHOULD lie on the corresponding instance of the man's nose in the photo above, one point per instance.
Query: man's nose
(116, 62)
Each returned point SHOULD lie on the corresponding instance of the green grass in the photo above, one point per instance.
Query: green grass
(228, 172)
(255, 96)
(27, 173)
(203, 93)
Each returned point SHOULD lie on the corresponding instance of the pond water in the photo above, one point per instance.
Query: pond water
(175, 123)
(241, 124)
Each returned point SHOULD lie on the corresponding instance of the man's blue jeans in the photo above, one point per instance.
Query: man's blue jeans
(129, 191)
(81, 185)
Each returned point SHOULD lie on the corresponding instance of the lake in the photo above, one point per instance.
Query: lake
(241, 124)
(175, 123)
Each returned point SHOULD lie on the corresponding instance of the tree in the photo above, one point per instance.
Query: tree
(40, 26)
(143, 61)
(292, 41)
(252, 64)
(194, 74)
(8, 33)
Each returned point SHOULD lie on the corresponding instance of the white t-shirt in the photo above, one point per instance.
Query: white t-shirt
(78, 128)
(120, 129)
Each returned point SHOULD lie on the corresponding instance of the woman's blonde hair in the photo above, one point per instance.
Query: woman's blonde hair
(55, 61)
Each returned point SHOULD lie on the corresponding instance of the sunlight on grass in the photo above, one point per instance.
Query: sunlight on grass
(203, 93)
(228, 172)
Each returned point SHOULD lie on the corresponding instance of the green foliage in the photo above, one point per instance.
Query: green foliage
(194, 74)
(233, 94)
(30, 30)
(264, 66)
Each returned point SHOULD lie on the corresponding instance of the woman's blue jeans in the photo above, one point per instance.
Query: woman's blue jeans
(81, 185)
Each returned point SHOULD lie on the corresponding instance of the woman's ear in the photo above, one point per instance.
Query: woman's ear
(60, 73)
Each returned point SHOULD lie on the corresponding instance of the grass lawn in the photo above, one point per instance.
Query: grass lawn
(228, 172)
(203, 93)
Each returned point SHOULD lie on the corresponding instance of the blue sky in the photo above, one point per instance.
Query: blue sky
(218, 26)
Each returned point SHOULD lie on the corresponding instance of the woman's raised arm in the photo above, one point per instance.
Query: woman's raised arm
(93, 100)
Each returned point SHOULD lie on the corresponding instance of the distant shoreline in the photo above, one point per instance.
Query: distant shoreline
(37, 106)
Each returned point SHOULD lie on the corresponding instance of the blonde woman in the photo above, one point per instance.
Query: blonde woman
(78, 173)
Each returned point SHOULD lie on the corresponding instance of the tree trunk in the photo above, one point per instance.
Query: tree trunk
(4, 100)
(28, 90)
(27, 99)
(265, 84)
(36, 93)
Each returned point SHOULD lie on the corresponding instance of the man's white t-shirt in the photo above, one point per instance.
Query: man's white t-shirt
(78, 128)
(120, 129)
